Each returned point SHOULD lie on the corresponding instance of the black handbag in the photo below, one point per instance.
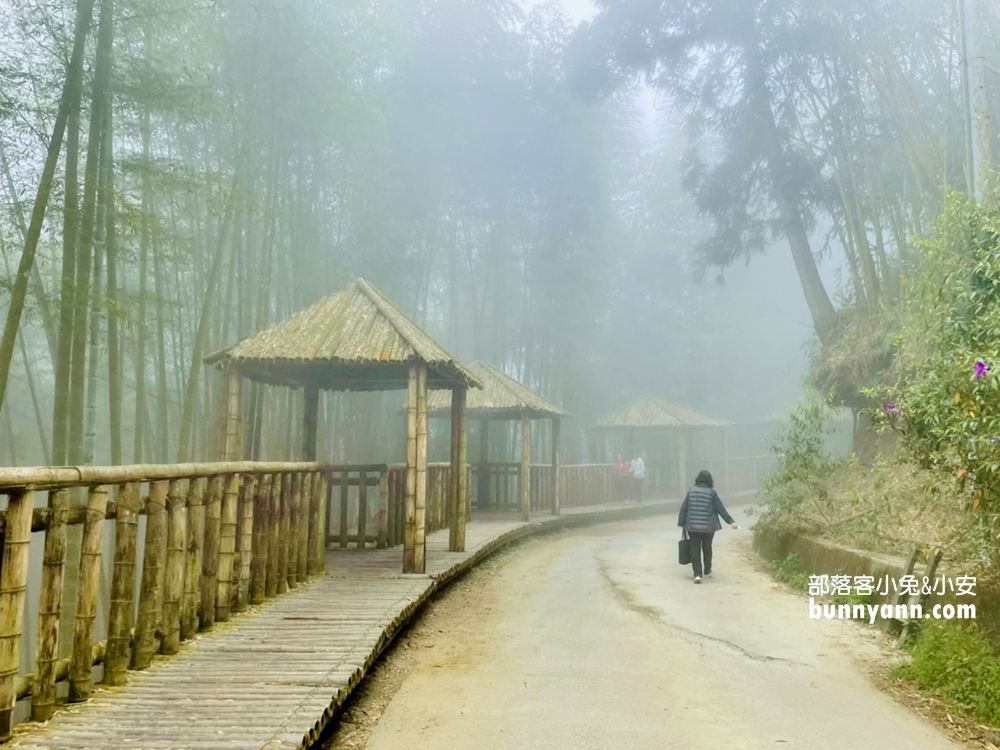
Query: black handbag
(684, 549)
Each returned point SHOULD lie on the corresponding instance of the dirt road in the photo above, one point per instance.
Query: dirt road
(597, 639)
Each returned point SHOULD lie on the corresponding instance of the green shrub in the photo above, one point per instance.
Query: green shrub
(956, 663)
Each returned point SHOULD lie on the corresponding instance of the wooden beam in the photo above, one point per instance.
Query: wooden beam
(524, 481)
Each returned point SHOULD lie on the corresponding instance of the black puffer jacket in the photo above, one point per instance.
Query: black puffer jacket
(701, 510)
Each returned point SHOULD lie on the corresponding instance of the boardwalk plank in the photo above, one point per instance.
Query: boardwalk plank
(273, 677)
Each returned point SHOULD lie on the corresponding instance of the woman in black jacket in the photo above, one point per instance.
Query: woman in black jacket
(700, 517)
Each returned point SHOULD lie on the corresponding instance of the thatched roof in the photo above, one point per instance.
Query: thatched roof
(354, 340)
(502, 397)
(657, 412)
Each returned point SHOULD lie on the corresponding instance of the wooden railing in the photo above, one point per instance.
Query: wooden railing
(438, 511)
(202, 540)
(580, 485)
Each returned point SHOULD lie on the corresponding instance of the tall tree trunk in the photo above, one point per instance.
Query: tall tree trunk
(114, 351)
(69, 103)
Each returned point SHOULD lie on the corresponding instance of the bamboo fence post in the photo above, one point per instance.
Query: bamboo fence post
(13, 590)
(149, 588)
(314, 535)
(210, 554)
(227, 547)
(556, 463)
(245, 541)
(193, 560)
(119, 645)
(362, 509)
(382, 519)
(344, 486)
(258, 564)
(483, 499)
(86, 609)
(524, 481)
(173, 582)
(390, 519)
(410, 533)
(420, 535)
(283, 523)
(273, 533)
(323, 522)
(302, 531)
(43, 694)
(292, 532)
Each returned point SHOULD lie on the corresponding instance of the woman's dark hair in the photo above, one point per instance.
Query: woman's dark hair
(704, 478)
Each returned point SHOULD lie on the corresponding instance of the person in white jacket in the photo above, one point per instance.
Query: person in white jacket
(638, 476)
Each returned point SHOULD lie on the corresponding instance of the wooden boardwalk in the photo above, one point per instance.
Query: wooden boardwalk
(275, 676)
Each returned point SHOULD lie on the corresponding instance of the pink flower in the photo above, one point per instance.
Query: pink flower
(981, 369)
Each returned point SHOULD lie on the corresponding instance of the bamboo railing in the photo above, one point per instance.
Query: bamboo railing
(581, 485)
(437, 514)
(215, 538)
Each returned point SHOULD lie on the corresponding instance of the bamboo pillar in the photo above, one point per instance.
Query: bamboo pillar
(149, 590)
(556, 463)
(258, 565)
(244, 543)
(82, 660)
(310, 420)
(524, 481)
(420, 548)
(210, 553)
(313, 556)
(459, 480)
(43, 694)
(193, 558)
(382, 519)
(227, 547)
(119, 646)
(13, 588)
(233, 414)
(410, 533)
(483, 500)
(173, 582)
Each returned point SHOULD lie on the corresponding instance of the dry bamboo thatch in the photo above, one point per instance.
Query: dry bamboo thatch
(501, 397)
(657, 412)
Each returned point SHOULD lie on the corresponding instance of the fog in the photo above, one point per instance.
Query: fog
(605, 200)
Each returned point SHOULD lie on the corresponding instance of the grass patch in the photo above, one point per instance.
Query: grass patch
(956, 663)
(790, 571)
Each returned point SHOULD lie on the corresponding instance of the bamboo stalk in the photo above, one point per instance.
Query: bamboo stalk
(245, 542)
(152, 561)
(258, 564)
(210, 554)
(119, 641)
(43, 696)
(13, 589)
(462, 469)
(524, 480)
(227, 547)
(193, 558)
(173, 580)
(86, 609)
